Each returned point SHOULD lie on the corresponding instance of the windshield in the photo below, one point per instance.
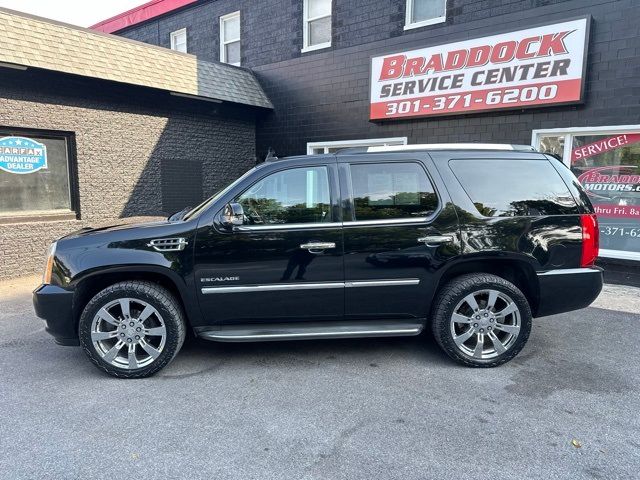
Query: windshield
(194, 212)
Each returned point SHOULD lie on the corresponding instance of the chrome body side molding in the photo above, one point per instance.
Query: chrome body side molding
(273, 288)
(310, 286)
(381, 283)
(287, 226)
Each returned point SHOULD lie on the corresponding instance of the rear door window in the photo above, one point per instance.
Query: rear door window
(514, 188)
(393, 190)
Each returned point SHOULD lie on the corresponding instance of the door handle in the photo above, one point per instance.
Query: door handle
(433, 240)
(317, 246)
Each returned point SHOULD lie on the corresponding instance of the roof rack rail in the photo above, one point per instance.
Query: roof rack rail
(453, 146)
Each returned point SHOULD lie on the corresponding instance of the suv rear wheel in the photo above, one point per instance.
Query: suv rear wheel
(481, 320)
(132, 329)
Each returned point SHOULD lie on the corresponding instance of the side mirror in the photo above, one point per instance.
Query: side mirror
(232, 215)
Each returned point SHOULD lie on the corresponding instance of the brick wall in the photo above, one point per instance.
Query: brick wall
(323, 95)
(138, 153)
(272, 29)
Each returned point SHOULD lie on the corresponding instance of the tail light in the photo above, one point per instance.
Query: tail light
(590, 239)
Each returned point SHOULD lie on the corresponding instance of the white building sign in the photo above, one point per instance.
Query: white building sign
(533, 67)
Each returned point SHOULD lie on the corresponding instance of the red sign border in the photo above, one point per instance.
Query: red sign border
(581, 101)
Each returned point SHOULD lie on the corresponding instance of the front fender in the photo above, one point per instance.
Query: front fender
(77, 265)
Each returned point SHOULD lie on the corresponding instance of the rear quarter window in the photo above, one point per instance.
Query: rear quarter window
(514, 188)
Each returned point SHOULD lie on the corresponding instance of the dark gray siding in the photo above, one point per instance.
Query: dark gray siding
(323, 95)
(272, 29)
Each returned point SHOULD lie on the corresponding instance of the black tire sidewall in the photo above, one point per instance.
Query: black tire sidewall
(157, 297)
(453, 292)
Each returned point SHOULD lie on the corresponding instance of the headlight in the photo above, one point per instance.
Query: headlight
(51, 251)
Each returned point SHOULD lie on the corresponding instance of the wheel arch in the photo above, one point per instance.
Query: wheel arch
(518, 271)
(90, 284)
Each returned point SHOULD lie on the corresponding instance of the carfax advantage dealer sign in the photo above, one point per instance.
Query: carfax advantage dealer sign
(537, 66)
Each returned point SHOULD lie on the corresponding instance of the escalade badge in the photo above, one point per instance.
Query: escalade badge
(220, 279)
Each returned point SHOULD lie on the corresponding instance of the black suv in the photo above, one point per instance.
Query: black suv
(470, 241)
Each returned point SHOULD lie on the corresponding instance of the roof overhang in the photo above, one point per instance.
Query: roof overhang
(35, 42)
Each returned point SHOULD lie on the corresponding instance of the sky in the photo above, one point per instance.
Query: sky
(78, 12)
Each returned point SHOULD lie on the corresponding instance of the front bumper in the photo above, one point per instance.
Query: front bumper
(55, 306)
(568, 289)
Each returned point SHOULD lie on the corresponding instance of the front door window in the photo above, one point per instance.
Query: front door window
(299, 195)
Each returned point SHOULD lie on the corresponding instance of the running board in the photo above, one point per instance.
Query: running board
(306, 331)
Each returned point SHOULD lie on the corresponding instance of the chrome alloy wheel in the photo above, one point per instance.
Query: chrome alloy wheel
(485, 324)
(130, 323)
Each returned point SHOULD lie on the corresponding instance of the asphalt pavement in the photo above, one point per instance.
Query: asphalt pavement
(565, 408)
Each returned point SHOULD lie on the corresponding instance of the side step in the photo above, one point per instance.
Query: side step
(308, 330)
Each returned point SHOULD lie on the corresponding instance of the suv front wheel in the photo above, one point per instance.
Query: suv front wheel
(481, 320)
(132, 329)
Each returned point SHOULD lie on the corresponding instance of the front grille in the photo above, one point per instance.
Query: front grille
(168, 244)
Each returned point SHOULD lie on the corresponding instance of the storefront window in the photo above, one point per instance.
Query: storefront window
(34, 174)
(607, 163)
(609, 168)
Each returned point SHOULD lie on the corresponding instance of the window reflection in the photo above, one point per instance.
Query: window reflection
(392, 190)
(299, 195)
(514, 188)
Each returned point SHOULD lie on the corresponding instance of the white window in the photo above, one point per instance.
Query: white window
(230, 38)
(316, 24)
(331, 147)
(606, 160)
(179, 40)
(425, 12)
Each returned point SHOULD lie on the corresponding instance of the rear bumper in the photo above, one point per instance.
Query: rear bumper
(55, 306)
(568, 289)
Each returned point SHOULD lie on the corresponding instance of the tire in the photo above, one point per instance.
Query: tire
(507, 323)
(155, 329)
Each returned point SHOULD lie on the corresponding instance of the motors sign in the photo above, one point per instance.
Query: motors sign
(526, 68)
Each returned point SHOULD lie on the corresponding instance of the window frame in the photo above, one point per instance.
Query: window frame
(305, 28)
(224, 42)
(409, 24)
(173, 38)
(28, 216)
(333, 200)
(349, 212)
